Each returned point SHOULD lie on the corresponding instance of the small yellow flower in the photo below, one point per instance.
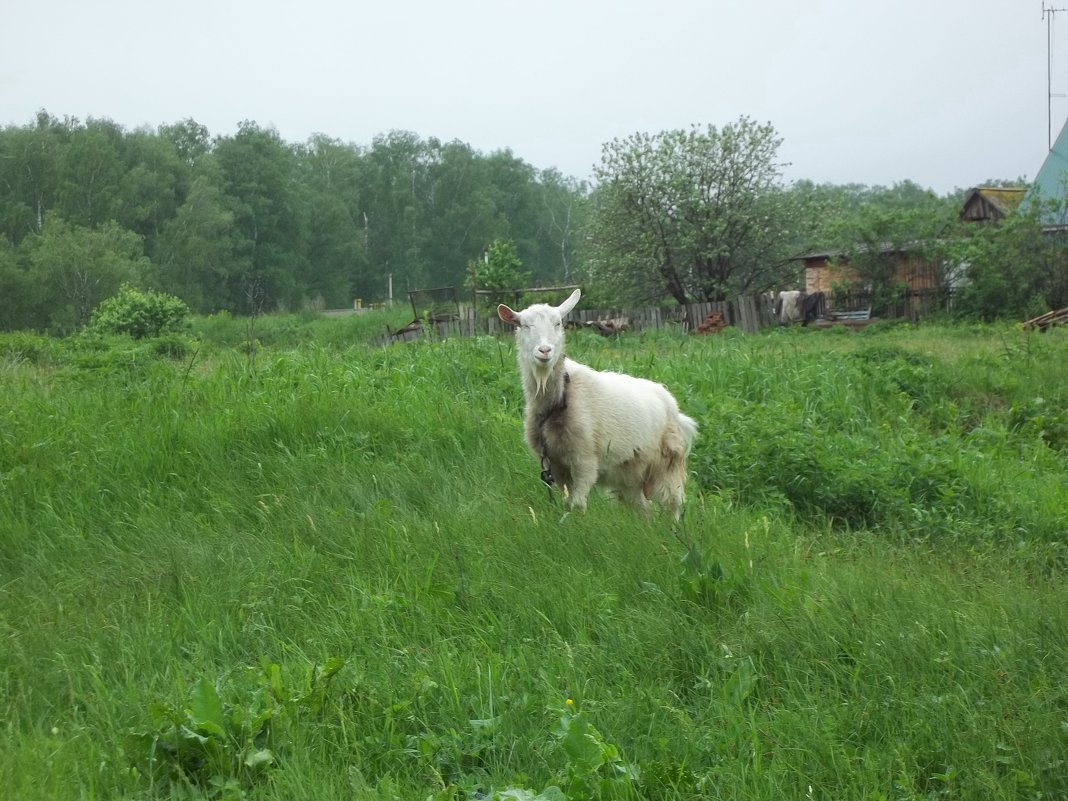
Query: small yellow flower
(570, 703)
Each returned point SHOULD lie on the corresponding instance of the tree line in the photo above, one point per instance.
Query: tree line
(250, 223)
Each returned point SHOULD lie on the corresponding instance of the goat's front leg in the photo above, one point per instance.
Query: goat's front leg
(583, 478)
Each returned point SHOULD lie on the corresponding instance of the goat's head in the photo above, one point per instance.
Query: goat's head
(540, 333)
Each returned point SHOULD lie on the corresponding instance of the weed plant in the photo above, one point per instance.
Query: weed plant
(331, 572)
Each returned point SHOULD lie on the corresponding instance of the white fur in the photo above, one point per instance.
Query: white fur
(598, 428)
(788, 306)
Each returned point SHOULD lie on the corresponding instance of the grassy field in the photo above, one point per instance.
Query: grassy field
(317, 570)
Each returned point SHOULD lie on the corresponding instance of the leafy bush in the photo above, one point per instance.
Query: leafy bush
(172, 346)
(23, 346)
(1038, 417)
(139, 313)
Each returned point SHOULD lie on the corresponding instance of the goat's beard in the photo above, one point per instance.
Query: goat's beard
(540, 375)
(541, 381)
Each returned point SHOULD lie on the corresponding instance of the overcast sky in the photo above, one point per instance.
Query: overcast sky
(946, 94)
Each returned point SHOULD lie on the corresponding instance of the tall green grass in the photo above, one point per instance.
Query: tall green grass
(320, 570)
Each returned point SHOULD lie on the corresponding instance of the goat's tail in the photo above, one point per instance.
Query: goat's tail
(669, 476)
(689, 430)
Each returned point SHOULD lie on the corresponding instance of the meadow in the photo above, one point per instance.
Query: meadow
(314, 569)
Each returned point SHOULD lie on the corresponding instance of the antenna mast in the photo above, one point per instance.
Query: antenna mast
(1047, 15)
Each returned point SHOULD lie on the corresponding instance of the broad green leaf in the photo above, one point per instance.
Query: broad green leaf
(205, 708)
(582, 743)
(260, 758)
(274, 675)
(332, 666)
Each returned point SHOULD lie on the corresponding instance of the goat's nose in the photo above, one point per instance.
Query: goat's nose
(545, 349)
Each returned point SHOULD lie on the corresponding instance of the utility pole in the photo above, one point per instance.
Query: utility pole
(1047, 15)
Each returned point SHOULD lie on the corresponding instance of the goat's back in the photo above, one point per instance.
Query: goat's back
(624, 413)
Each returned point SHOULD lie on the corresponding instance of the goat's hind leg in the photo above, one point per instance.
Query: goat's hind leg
(670, 489)
(637, 497)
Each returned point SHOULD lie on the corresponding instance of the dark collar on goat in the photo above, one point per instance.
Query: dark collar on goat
(544, 418)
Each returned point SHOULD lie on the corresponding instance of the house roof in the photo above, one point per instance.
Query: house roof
(885, 247)
(991, 202)
(818, 254)
(1050, 180)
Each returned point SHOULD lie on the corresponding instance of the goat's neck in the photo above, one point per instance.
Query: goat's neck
(544, 390)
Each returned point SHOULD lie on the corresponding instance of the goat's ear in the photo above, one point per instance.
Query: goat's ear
(569, 304)
(508, 315)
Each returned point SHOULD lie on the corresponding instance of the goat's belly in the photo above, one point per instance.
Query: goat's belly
(624, 476)
(627, 438)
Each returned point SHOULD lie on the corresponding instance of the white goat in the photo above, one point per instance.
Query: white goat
(593, 428)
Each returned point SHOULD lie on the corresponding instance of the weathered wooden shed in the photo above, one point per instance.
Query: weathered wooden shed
(991, 203)
(825, 270)
(922, 278)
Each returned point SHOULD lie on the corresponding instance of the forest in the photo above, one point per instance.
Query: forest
(249, 223)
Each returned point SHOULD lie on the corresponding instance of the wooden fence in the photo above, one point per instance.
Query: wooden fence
(909, 304)
(750, 313)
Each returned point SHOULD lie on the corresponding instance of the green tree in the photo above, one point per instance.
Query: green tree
(512, 186)
(460, 211)
(20, 295)
(153, 186)
(77, 267)
(29, 174)
(500, 269)
(258, 178)
(190, 139)
(698, 215)
(90, 172)
(198, 256)
(430, 206)
(562, 214)
(1014, 269)
(394, 176)
(335, 248)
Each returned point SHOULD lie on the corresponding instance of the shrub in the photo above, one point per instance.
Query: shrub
(139, 313)
(173, 346)
(29, 347)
